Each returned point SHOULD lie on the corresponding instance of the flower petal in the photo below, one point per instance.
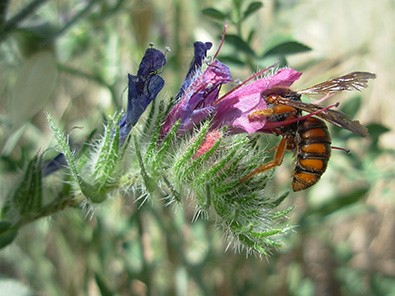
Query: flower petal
(233, 108)
(200, 54)
(195, 103)
(152, 61)
(142, 89)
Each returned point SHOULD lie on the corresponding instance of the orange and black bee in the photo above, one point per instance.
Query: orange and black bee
(307, 135)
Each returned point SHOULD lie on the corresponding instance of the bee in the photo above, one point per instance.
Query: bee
(307, 135)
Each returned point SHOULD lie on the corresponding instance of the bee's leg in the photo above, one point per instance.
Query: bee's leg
(278, 159)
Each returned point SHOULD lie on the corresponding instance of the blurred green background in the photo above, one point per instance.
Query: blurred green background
(71, 58)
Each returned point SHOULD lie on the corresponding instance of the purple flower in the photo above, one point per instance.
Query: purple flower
(142, 89)
(195, 104)
(200, 54)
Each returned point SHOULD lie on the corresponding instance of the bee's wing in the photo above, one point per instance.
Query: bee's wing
(351, 81)
(335, 117)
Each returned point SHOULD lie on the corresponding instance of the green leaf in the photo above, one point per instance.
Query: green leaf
(214, 13)
(154, 136)
(27, 198)
(254, 6)
(239, 44)
(284, 45)
(182, 167)
(280, 199)
(337, 204)
(231, 59)
(251, 36)
(7, 234)
(376, 130)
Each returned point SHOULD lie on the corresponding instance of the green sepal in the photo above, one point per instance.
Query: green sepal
(94, 193)
(157, 163)
(183, 167)
(108, 156)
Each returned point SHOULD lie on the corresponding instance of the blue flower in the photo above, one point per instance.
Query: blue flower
(143, 88)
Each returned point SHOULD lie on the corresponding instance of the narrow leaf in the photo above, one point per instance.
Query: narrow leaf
(214, 13)
(103, 287)
(376, 130)
(254, 6)
(284, 45)
(339, 203)
(239, 44)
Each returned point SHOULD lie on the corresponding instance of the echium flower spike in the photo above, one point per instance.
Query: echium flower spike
(143, 88)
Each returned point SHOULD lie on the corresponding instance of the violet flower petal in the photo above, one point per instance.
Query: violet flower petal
(152, 61)
(202, 91)
(200, 54)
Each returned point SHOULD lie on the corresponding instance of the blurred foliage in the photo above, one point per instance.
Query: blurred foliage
(343, 245)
